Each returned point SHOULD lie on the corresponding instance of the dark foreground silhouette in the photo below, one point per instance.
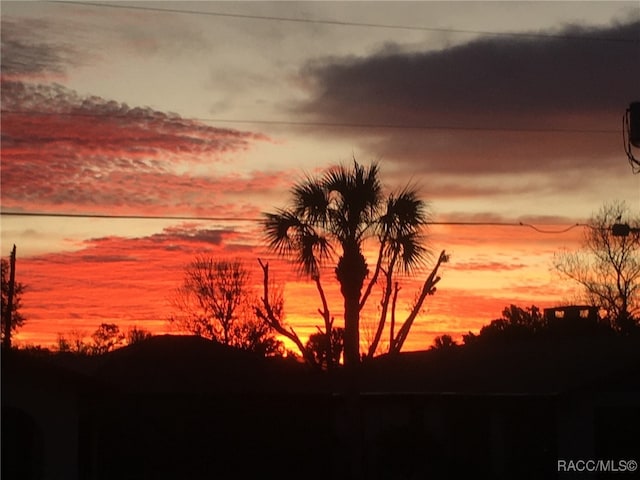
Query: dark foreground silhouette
(185, 408)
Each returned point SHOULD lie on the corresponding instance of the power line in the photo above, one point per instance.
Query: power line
(345, 23)
(256, 220)
(512, 224)
(129, 217)
(565, 230)
(406, 126)
(290, 123)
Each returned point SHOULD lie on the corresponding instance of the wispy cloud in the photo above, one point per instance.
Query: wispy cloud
(91, 158)
(63, 149)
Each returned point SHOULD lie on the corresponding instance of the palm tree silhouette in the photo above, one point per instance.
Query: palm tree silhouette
(333, 214)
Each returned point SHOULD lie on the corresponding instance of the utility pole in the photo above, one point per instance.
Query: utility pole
(9, 311)
(631, 134)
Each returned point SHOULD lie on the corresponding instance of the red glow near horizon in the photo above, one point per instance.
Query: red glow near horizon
(129, 281)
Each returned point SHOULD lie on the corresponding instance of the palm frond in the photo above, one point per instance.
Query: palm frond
(405, 210)
(310, 201)
(280, 230)
(341, 208)
(412, 251)
(297, 240)
(313, 250)
(402, 227)
(356, 198)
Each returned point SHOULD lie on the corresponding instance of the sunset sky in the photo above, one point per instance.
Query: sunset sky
(501, 112)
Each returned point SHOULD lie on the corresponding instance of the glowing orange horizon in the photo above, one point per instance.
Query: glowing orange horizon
(128, 281)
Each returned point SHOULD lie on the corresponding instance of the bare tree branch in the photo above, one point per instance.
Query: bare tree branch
(273, 319)
(385, 305)
(428, 288)
(376, 272)
(608, 266)
(328, 321)
(396, 289)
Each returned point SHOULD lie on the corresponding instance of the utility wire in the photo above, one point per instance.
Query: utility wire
(129, 217)
(564, 230)
(343, 23)
(512, 224)
(255, 220)
(388, 126)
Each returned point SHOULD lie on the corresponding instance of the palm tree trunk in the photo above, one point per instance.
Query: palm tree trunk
(351, 273)
(351, 329)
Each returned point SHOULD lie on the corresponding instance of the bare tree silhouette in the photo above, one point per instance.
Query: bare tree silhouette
(216, 301)
(608, 265)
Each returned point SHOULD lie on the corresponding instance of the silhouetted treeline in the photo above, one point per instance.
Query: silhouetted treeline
(106, 338)
(532, 323)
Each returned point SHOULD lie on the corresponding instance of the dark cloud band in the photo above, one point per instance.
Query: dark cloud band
(582, 79)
